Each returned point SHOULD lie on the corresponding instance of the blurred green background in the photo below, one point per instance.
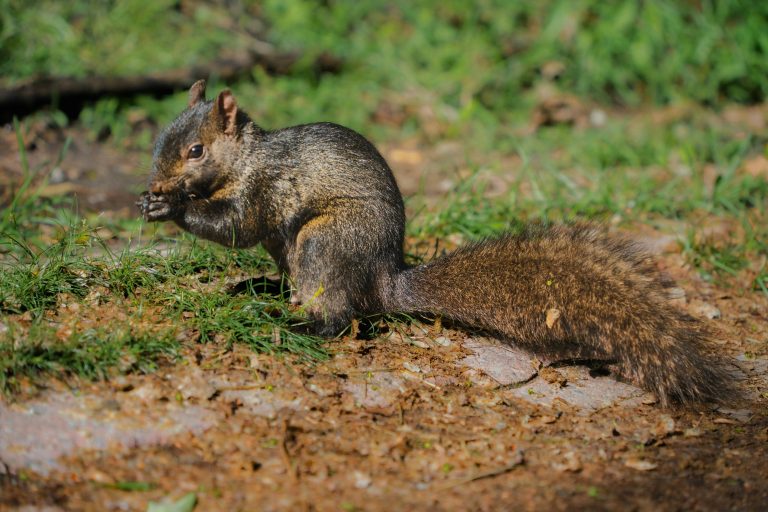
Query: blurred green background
(620, 51)
(479, 59)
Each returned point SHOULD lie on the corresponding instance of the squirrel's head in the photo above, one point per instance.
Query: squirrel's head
(199, 143)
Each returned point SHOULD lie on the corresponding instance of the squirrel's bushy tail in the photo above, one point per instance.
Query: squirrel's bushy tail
(573, 291)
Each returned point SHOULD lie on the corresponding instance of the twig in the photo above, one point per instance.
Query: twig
(517, 461)
(290, 466)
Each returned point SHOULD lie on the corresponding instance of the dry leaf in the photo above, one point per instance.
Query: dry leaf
(552, 316)
(553, 376)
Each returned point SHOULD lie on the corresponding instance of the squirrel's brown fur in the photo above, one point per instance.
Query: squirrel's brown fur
(326, 206)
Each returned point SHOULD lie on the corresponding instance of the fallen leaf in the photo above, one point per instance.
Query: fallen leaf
(552, 316)
(664, 427)
(553, 376)
(411, 367)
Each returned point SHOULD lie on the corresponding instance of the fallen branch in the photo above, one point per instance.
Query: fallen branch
(70, 93)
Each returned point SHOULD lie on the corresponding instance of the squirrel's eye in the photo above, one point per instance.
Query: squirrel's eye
(196, 151)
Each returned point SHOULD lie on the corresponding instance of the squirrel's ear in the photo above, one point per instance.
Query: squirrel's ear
(197, 93)
(226, 110)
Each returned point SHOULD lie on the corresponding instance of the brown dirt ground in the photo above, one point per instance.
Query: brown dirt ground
(393, 424)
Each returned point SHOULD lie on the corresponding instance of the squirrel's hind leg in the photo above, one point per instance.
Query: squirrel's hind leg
(333, 266)
(321, 278)
(327, 306)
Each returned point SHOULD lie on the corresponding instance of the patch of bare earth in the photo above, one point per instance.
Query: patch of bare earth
(100, 177)
(425, 418)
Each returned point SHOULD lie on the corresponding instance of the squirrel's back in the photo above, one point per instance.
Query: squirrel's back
(327, 160)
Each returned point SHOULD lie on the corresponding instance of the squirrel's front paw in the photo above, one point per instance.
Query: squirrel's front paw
(155, 208)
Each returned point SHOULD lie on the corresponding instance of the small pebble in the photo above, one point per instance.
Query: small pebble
(742, 415)
(640, 465)
(100, 477)
(572, 463)
(706, 310)
(362, 481)
(598, 117)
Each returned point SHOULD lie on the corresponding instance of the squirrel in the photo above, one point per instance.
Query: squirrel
(326, 206)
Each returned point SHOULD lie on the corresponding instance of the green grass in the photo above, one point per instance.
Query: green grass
(84, 38)
(492, 51)
(32, 283)
(147, 294)
(643, 169)
(259, 321)
(152, 298)
(90, 354)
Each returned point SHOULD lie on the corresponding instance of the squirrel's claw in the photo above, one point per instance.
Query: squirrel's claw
(142, 202)
(154, 207)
